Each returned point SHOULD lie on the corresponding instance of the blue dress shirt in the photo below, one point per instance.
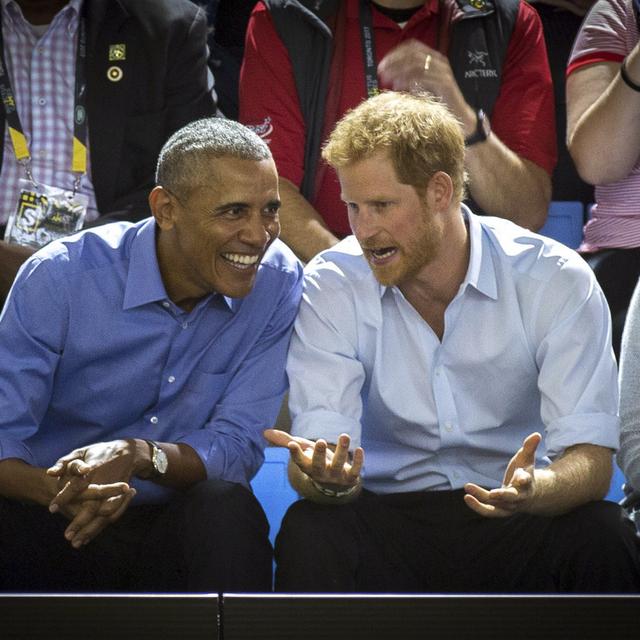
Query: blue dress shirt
(92, 349)
(526, 347)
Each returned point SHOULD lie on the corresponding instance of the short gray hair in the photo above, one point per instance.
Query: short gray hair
(180, 163)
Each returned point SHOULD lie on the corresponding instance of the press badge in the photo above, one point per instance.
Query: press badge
(45, 213)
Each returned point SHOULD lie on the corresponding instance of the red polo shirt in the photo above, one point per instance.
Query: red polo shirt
(523, 116)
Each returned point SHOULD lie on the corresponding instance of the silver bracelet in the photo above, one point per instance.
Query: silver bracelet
(335, 493)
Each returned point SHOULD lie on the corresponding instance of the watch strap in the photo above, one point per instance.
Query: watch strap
(481, 132)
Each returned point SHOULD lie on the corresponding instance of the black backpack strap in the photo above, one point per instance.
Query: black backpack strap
(302, 25)
(479, 41)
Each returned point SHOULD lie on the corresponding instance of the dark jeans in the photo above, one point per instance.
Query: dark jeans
(212, 538)
(431, 542)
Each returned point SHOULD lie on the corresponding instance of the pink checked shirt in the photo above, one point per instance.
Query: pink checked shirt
(42, 72)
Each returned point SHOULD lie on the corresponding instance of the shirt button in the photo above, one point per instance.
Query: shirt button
(171, 379)
(153, 420)
(448, 426)
(166, 304)
(185, 325)
(42, 101)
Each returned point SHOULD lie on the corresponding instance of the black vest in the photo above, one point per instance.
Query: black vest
(477, 48)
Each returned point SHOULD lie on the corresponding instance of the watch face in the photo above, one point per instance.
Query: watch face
(160, 461)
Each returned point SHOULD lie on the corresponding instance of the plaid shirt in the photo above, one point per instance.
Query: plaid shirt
(42, 70)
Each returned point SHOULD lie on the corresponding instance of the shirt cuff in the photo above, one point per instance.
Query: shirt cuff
(599, 429)
(10, 448)
(328, 425)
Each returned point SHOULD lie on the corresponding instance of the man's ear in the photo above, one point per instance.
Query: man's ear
(162, 207)
(439, 191)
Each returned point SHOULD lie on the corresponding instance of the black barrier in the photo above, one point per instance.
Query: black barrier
(315, 617)
(98, 617)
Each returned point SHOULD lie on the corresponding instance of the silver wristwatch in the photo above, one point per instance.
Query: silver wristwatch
(159, 459)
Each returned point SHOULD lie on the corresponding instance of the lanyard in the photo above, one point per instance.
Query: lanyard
(16, 132)
(368, 49)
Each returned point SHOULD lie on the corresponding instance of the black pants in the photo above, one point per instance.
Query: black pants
(431, 542)
(212, 538)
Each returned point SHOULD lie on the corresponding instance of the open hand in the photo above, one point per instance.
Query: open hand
(518, 485)
(334, 468)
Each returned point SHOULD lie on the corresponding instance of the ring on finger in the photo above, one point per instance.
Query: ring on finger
(427, 62)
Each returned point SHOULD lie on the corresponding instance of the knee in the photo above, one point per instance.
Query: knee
(601, 524)
(313, 524)
(223, 503)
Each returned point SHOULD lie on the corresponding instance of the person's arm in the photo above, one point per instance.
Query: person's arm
(509, 173)
(603, 120)
(302, 227)
(629, 453)
(580, 475)
(231, 444)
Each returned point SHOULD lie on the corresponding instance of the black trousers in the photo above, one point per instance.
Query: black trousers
(212, 538)
(431, 542)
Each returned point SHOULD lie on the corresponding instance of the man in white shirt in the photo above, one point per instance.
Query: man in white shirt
(441, 343)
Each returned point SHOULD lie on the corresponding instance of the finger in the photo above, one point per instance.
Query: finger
(529, 447)
(478, 492)
(485, 510)
(357, 463)
(130, 495)
(61, 464)
(297, 455)
(98, 523)
(282, 438)
(104, 491)
(112, 507)
(522, 479)
(86, 513)
(319, 460)
(71, 490)
(341, 454)
(276, 437)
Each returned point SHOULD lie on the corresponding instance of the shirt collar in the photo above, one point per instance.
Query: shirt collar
(430, 7)
(481, 273)
(11, 12)
(144, 281)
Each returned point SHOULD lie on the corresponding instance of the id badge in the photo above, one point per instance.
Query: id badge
(45, 213)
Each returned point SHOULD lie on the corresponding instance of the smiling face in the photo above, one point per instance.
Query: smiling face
(398, 233)
(213, 237)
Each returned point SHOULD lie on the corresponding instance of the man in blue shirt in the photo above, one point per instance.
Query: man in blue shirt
(139, 365)
(440, 343)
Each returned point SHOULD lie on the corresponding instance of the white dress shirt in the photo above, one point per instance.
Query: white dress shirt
(526, 347)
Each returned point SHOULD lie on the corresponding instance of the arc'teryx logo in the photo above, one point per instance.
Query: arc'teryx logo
(479, 58)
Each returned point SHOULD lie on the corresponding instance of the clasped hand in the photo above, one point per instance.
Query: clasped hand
(93, 488)
(518, 485)
(331, 468)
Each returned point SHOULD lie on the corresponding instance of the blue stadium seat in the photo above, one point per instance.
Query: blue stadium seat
(271, 487)
(615, 488)
(565, 222)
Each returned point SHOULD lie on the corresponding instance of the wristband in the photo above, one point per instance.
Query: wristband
(625, 77)
(335, 493)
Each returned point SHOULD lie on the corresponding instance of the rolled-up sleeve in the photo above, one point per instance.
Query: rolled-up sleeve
(578, 375)
(325, 373)
(32, 332)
